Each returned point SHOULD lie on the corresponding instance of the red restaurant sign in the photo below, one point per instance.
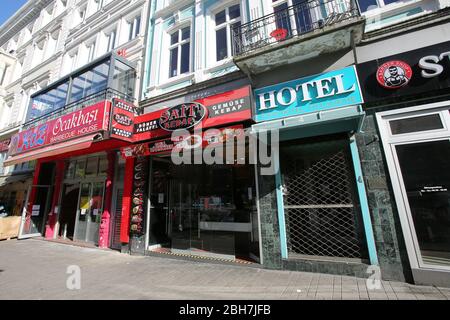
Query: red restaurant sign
(122, 122)
(213, 111)
(4, 145)
(69, 126)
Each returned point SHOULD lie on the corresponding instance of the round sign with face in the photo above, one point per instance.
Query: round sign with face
(394, 74)
(183, 116)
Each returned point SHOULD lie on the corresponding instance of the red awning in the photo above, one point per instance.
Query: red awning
(52, 150)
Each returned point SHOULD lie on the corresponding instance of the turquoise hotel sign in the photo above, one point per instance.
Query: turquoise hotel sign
(315, 93)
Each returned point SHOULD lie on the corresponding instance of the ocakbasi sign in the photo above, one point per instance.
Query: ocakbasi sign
(232, 106)
(73, 125)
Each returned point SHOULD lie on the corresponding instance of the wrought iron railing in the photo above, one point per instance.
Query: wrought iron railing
(290, 22)
(106, 94)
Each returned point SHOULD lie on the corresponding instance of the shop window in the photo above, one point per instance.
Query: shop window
(225, 21)
(91, 167)
(415, 124)
(80, 169)
(180, 47)
(103, 166)
(70, 171)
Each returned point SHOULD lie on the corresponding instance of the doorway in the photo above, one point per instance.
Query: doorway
(88, 214)
(204, 210)
(320, 201)
(68, 214)
(417, 148)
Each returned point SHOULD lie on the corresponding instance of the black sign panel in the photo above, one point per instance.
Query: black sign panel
(389, 77)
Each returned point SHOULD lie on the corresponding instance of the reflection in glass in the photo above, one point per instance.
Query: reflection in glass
(90, 82)
(80, 169)
(47, 102)
(124, 78)
(425, 169)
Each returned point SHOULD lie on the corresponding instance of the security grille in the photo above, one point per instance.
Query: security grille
(320, 214)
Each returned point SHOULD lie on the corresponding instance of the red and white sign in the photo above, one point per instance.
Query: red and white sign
(73, 125)
(122, 122)
(209, 137)
(4, 145)
(394, 74)
(229, 107)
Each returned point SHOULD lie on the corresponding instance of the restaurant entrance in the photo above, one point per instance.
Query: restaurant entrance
(206, 210)
(82, 199)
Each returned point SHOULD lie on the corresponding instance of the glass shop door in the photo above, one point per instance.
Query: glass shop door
(90, 208)
(424, 171)
(35, 211)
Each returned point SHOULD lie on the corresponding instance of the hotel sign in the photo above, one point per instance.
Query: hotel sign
(315, 93)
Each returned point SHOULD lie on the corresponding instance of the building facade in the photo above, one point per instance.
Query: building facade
(80, 61)
(137, 137)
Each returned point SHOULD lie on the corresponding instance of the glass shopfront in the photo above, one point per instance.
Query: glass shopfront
(207, 210)
(82, 199)
(417, 149)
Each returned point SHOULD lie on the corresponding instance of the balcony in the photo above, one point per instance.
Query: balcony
(106, 78)
(296, 33)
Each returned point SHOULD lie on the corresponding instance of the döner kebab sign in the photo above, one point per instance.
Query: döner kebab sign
(233, 106)
(217, 110)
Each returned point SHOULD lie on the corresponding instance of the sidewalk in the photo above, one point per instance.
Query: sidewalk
(36, 269)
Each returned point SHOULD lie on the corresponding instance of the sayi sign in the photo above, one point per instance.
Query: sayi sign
(315, 93)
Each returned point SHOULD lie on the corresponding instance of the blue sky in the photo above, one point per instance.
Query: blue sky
(8, 7)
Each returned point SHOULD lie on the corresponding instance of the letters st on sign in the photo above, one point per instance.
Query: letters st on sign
(310, 94)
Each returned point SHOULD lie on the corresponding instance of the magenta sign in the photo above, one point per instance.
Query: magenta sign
(73, 125)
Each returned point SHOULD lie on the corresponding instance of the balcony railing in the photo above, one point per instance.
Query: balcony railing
(290, 22)
(106, 94)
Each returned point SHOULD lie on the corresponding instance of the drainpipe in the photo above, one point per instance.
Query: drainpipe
(149, 37)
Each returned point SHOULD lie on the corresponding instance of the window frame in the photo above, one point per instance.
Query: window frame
(227, 24)
(179, 46)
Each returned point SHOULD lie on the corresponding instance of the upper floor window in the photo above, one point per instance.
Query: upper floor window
(366, 5)
(111, 40)
(3, 74)
(225, 21)
(134, 27)
(91, 51)
(180, 47)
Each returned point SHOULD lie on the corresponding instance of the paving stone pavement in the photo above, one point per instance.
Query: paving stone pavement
(37, 269)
